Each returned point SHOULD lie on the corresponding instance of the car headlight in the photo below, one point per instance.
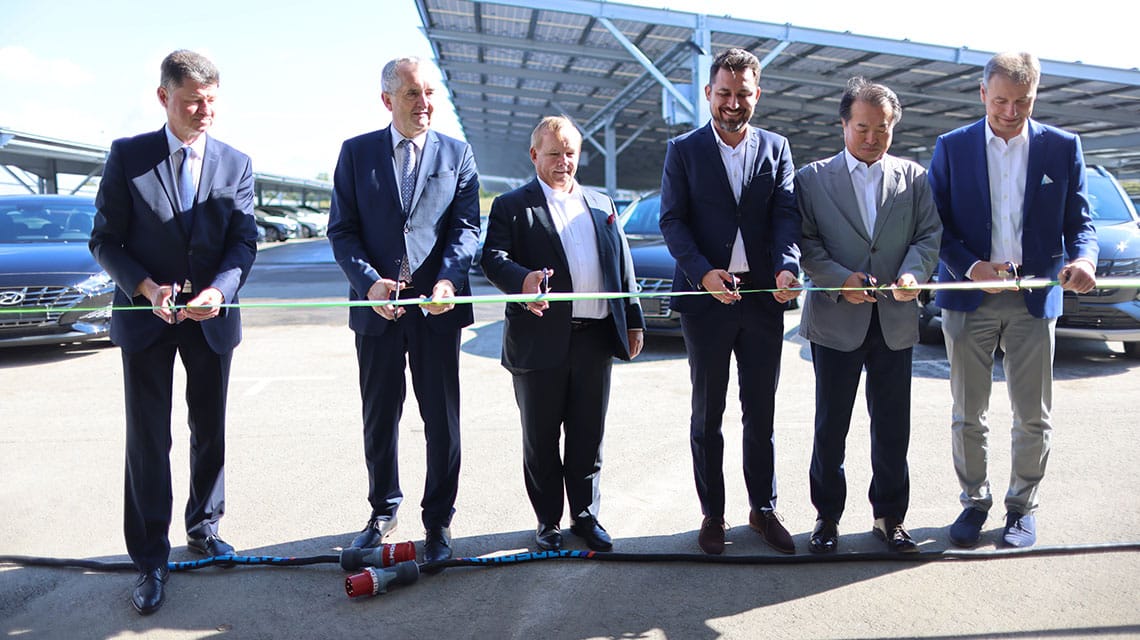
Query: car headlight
(96, 285)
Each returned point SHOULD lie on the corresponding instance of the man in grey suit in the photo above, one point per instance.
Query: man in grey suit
(868, 217)
(404, 222)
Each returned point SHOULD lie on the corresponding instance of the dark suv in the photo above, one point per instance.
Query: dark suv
(1101, 314)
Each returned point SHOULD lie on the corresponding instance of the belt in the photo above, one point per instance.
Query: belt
(577, 324)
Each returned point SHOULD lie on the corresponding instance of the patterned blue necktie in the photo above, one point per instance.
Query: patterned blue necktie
(407, 189)
(408, 175)
(186, 191)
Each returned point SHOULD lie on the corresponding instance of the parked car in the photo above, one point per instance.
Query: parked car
(654, 265)
(51, 290)
(1101, 314)
(313, 223)
(277, 228)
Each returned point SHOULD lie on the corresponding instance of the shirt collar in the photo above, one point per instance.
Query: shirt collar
(738, 148)
(397, 137)
(854, 163)
(198, 147)
(560, 196)
(1023, 135)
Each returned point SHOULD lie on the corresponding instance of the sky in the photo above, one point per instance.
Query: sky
(297, 80)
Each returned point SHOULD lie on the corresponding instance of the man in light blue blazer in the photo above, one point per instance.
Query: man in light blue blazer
(1012, 197)
(867, 216)
(175, 226)
(404, 222)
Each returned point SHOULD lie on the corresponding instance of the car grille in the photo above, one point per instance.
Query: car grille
(656, 307)
(36, 301)
(1124, 268)
(1097, 317)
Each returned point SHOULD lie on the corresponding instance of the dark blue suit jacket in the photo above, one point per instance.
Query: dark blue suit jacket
(521, 237)
(138, 233)
(1056, 227)
(369, 234)
(699, 216)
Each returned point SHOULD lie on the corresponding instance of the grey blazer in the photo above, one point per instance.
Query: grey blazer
(835, 244)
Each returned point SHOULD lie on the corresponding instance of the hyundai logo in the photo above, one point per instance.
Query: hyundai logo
(11, 298)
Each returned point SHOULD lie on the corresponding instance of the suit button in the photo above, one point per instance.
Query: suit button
(407, 228)
(874, 249)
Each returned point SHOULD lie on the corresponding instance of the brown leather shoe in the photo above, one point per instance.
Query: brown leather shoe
(711, 536)
(768, 525)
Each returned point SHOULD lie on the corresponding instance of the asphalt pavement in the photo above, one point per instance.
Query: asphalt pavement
(296, 486)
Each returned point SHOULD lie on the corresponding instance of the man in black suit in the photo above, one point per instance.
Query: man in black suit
(405, 222)
(556, 233)
(729, 217)
(175, 230)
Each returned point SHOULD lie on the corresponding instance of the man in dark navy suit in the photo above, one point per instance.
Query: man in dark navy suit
(552, 230)
(1012, 197)
(175, 230)
(404, 223)
(729, 216)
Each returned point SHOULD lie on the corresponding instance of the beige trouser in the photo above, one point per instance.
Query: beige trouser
(971, 338)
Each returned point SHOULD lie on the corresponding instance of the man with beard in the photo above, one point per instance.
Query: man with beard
(729, 217)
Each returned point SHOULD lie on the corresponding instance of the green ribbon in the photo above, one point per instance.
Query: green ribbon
(1013, 284)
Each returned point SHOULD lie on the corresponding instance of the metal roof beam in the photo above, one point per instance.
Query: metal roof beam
(907, 91)
(1129, 140)
(532, 74)
(505, 42)
(644, 60)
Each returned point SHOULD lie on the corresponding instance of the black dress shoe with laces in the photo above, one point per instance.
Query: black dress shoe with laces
(149, 593)
(374, 532)
(894, 534)
(824, 537)
(595, 536)
(437, 544)
(210, 546)
(548, 537)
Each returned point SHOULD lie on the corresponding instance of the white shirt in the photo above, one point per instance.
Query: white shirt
(1008, 164)
(735, 161)
(197, 152)
(575, 226)
(868, 184)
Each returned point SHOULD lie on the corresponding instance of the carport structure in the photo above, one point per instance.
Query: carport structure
(632, 77)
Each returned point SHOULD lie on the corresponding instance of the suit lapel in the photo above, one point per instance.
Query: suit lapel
(383, 175)
(210, 162)
(892, 175)
(982, 171)
(159, 149)
(426, 165)
(1035, 170)
(600, 214)
(536, 200)
(843, 192)
(711, 152)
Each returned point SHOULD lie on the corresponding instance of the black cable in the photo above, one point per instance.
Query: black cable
(517, 558)
(859, 556)
(223, 561)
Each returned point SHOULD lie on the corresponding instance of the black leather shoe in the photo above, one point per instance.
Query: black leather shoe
(374, 532)
(437, 544)
(210, 546)
(711, 537)
(149, 595)
(548, 537)
(892, 532)
(768, 525)
(824, 537)
(595, 536)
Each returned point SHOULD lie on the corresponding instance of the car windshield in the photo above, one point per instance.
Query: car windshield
(641, 217)
(45, 220)
(1106, 204)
